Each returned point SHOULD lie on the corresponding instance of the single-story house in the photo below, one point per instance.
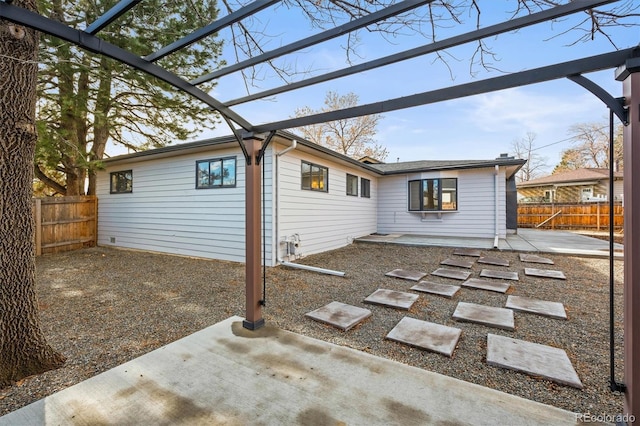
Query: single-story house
(188, 199)
(573, 186)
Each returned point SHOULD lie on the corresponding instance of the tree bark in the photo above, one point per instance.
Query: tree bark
(23, 347)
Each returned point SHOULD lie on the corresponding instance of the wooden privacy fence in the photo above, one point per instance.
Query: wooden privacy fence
(580, 216)
(65, 223)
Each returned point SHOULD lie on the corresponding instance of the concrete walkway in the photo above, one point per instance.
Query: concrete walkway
(227, 375)
(527, 240)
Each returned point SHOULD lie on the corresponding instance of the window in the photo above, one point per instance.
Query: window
(352, 185)
(549, 195)
(121, 182)
(433, 194)
(365, 188)
(314, 177)
(217, 173)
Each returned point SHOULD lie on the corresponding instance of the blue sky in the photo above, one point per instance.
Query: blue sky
(479, 127)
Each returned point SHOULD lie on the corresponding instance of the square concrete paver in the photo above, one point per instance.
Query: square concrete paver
(467, 252)
(534, 258)
(501, 275)
(545, 273)
(492, 260)
(451, 273)
(340, 315)
(485, 315)
(535, 306)
(486, 285)
(446, 290)
(461, 263)
(392, 298)
(426, 335)
(532, 358)
(406, 274)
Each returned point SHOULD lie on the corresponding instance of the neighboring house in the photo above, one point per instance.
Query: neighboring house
(188, 199)
(574, 186)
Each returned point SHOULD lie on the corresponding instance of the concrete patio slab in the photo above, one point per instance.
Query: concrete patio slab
(532, 358)
(392, 299)
(535, 306)
(492, 260)
(340, 315)
(446, 290)
(545, 273)
(451, 273)
(480, 284)
(225, 374)
(534, 258)
(461, 263)
(485, 315)
(501, 275)
(426, 335)
(467, 252)
(406, 274)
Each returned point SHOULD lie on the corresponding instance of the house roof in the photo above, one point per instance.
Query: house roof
(380, 168)
(577, 176)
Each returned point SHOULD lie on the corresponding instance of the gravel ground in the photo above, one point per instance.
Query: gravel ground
(102, 307)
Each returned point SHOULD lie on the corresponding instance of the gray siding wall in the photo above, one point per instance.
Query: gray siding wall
(476, 206)
(323, 220)
(165, 213)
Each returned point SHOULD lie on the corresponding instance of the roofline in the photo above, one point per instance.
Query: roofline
(583, 181)
(477, 165)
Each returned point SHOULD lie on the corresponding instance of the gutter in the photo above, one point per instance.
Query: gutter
(311, 268)
(497, 236)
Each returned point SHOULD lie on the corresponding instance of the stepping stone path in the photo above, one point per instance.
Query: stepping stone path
(532, 358)
(467, 252)
(340, 315)
(451, 273)
(493, 261)
(461, 263)
(446, 290)
(534, 258)
(545, 273)
(485, 315)
(535, 306)
(426, 335)
(392, 298)
(502, 275)
(486, 285)
(406, 274)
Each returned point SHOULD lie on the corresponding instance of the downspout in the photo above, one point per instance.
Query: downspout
(497, 186)
(276, 239)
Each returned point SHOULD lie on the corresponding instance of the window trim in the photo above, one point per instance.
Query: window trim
(119, 172)
(349, 175)
(363, 193)
(311, 167)
(221, 160)
(421, 208)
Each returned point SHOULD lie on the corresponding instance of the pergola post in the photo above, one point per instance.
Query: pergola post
(629, 74)
(253, 319)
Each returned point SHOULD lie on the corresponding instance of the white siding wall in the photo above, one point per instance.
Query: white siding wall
(324, 220)
(476, 206)
(618, 189)
(165, 213)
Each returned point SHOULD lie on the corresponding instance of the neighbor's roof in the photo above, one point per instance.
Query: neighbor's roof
(380, 168)
(578, 176)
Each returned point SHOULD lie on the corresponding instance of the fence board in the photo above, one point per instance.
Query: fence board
(65, 223)
(578, 216)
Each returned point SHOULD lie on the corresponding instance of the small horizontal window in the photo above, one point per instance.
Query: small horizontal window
(365, 188)
(352, 185)
(216, 173)
(433, 194)
(121, 182)
(315, 177)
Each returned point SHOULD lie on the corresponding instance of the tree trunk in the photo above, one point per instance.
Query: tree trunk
(23, 348)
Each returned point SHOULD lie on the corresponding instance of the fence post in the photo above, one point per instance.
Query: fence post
(38, 226)
(598, 216)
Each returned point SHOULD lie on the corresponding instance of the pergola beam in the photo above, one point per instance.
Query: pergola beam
(111, 15)
(514, 24)
(356, 24)
(523, 78)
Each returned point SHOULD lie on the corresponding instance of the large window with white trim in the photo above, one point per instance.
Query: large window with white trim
(439, 194)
